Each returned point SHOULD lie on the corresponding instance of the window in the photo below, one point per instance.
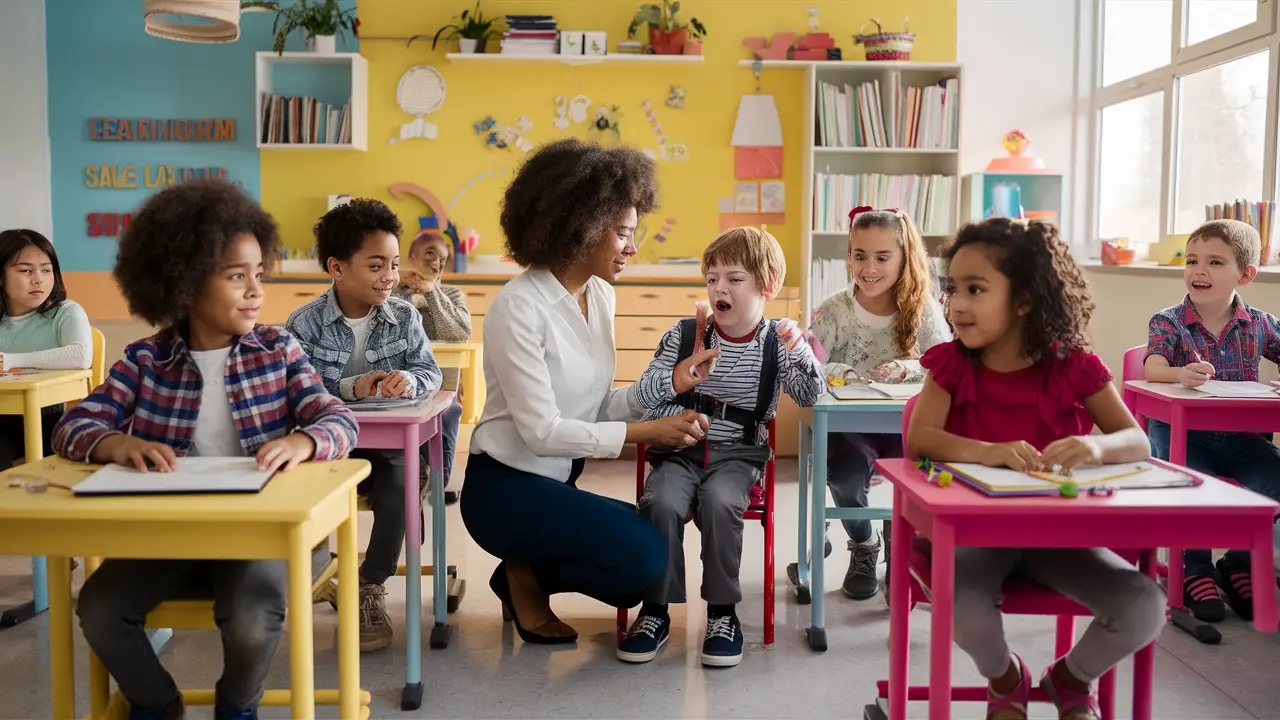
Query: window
(1180, 112)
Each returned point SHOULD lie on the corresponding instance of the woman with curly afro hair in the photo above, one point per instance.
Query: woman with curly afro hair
(211, 383)
(569, 217)
(1019, 388)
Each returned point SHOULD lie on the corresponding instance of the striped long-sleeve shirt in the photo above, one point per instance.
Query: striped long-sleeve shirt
(734, 380)
(153, 393)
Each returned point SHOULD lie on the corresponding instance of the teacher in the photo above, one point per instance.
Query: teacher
(569, 217)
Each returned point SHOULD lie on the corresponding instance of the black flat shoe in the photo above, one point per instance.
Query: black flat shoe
(498, 583)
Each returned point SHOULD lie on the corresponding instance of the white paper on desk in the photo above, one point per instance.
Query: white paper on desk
(381, 403)
(877, 391)
(1226, 389)
(191, 475)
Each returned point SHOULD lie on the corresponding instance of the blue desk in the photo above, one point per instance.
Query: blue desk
(830, 415)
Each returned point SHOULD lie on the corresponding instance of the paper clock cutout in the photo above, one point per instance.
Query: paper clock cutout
(420, 92)
(571, 110)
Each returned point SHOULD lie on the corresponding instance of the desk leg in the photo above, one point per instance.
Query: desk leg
(61, 639)
(349, 615)
(469, 378)
(817, 630)
(40, 594)
(802, 524)
(942, 587)
(439, 563)
(1264, 590)
(411, 697)
(1178, 435)
(899, 611)
(1145, 659)
(302, 676)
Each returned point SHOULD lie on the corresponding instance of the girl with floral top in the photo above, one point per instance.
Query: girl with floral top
(875, 330)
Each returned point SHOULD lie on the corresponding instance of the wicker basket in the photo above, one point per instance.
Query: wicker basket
(886, 45)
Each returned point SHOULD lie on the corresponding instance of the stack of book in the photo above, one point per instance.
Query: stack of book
(530, 35)
(1261, 215)
(303, 121)
(928, 199)
(865, 116)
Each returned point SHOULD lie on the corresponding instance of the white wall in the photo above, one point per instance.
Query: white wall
(24, 119)
(1020, 72)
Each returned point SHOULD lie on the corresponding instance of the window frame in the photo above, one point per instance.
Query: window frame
(1261, 35)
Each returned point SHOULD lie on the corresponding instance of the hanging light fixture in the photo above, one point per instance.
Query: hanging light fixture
(196, 21)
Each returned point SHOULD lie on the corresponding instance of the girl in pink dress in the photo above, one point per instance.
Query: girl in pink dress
(1019, 388)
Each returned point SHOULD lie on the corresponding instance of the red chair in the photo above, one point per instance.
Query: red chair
(760, 508)
(1021, 597)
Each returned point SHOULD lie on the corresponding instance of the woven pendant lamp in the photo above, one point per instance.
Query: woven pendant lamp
(221, 20)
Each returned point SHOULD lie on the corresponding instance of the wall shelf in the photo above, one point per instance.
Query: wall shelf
(615, 58)
(884, 151)
(906, 65)
(265, 65)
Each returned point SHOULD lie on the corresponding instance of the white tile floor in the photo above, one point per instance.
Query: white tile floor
(486, 672)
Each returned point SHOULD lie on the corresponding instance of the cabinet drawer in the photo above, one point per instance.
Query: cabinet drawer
(479, 297)
(680, 302)
(631, 364)
(281, 299)
(639, 332)
(477, 328)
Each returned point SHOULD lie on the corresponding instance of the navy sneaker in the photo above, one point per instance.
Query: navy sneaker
(722, 646)
(224, 714)
(648, 634)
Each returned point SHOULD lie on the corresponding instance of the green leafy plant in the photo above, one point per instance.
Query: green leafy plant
(471, 25)
(318, 18)
(665, 18)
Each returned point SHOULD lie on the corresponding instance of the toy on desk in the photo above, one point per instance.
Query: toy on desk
(1117, 252)
(33, 484)
(933, 475)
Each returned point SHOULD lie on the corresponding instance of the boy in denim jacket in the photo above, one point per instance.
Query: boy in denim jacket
(364, 341)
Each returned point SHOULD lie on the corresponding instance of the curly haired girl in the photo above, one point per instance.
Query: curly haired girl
(1020, 388)
(876, 329)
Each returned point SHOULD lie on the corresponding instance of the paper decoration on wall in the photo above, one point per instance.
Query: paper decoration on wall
(661, 236)
(649, 153)
(419, 93)
(674, 153)
(733, 220)
(336, 200)
(652, 117)
(571, 110)
(746, 197)
(505, 136)
(675, 98)
(726, 205)
(773, 196)
(607, 121)
(471, 182)
(757, 139)
(813, 18)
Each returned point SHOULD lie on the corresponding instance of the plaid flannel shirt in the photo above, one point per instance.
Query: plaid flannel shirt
(1178, 335)
(153, 393)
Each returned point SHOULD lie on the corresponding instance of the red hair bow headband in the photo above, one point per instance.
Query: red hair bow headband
(866, 208)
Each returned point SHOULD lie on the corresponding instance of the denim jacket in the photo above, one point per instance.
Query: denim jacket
(396, 342)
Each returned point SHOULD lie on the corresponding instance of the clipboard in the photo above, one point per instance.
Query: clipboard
(1003, 482)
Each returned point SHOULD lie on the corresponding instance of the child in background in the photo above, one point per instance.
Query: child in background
(1019, 388)
(212, 383)
(39, 327)
(739, 365)
(875, 330)
(445, 318)
(365, 342)
(1212, 333)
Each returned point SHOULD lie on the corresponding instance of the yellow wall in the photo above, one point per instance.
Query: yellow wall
(295, 184)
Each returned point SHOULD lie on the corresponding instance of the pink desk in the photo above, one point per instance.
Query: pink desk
(1216, 514)
(1185, 409)
(406, 430)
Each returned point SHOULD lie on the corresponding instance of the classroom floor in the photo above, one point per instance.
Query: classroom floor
(487, 672)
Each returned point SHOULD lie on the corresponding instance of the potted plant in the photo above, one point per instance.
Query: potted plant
(472, 31)
(668, 34)
(322, 20)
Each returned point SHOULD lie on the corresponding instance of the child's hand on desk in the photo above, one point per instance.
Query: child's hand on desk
(287, 451)
(396, 384)
(133, 452)
(1071, 452)
(1018, 455)
(1196, 374)
(365, 384)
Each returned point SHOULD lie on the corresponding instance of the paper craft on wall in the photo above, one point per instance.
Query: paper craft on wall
(471, 182)
(420, 92)
(773, 196)
(607, 121)
(675, 98)
(652, 117)
(571, 110)
(757, 139)
(504, 136)
(674, 153)
(746, 197)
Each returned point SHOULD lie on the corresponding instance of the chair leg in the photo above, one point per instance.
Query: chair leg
(769, 593)
(1065, 636)
(623, 613)
(1107, 695)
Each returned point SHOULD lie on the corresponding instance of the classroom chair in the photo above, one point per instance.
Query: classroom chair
(760, 507)
(195, 614)
(1021, 597)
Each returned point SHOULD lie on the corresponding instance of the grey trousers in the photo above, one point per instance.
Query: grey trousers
(716, 485)
(385, 490)
(1128, 607)
(851, 459)
(248, 606)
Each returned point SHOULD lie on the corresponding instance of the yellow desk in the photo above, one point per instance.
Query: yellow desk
(294, 513)
(468, 358)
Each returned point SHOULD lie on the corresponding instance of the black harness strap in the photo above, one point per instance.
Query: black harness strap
(753, 420)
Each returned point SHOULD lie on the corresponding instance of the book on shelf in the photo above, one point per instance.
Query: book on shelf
(1261, 215)
(867, 115)
(928, 199)
(303, 121)
(531, 35)
(827, 276)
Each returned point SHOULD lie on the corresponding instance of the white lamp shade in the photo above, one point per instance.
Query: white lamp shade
(758, 124)
(213, 21)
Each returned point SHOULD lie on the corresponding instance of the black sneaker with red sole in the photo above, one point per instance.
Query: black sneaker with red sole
(1200, 596)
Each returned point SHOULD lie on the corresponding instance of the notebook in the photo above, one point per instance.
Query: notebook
(1226, 389)
(192, 475)
(876, 391)
(380, 403)
(1003, 482)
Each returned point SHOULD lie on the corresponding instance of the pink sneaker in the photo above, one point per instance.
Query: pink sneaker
(1014, 705)
(1072, 705)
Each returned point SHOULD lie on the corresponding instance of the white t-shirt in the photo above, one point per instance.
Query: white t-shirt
(215, 434)
(358, 363)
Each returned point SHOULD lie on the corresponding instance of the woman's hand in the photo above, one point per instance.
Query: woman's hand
(1071, 452)
(1018, 455)
(287, 451)
(677, 431)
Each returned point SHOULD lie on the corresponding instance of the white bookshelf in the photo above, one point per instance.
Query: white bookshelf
(614, 59)
(826, 244)
(266, 62)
